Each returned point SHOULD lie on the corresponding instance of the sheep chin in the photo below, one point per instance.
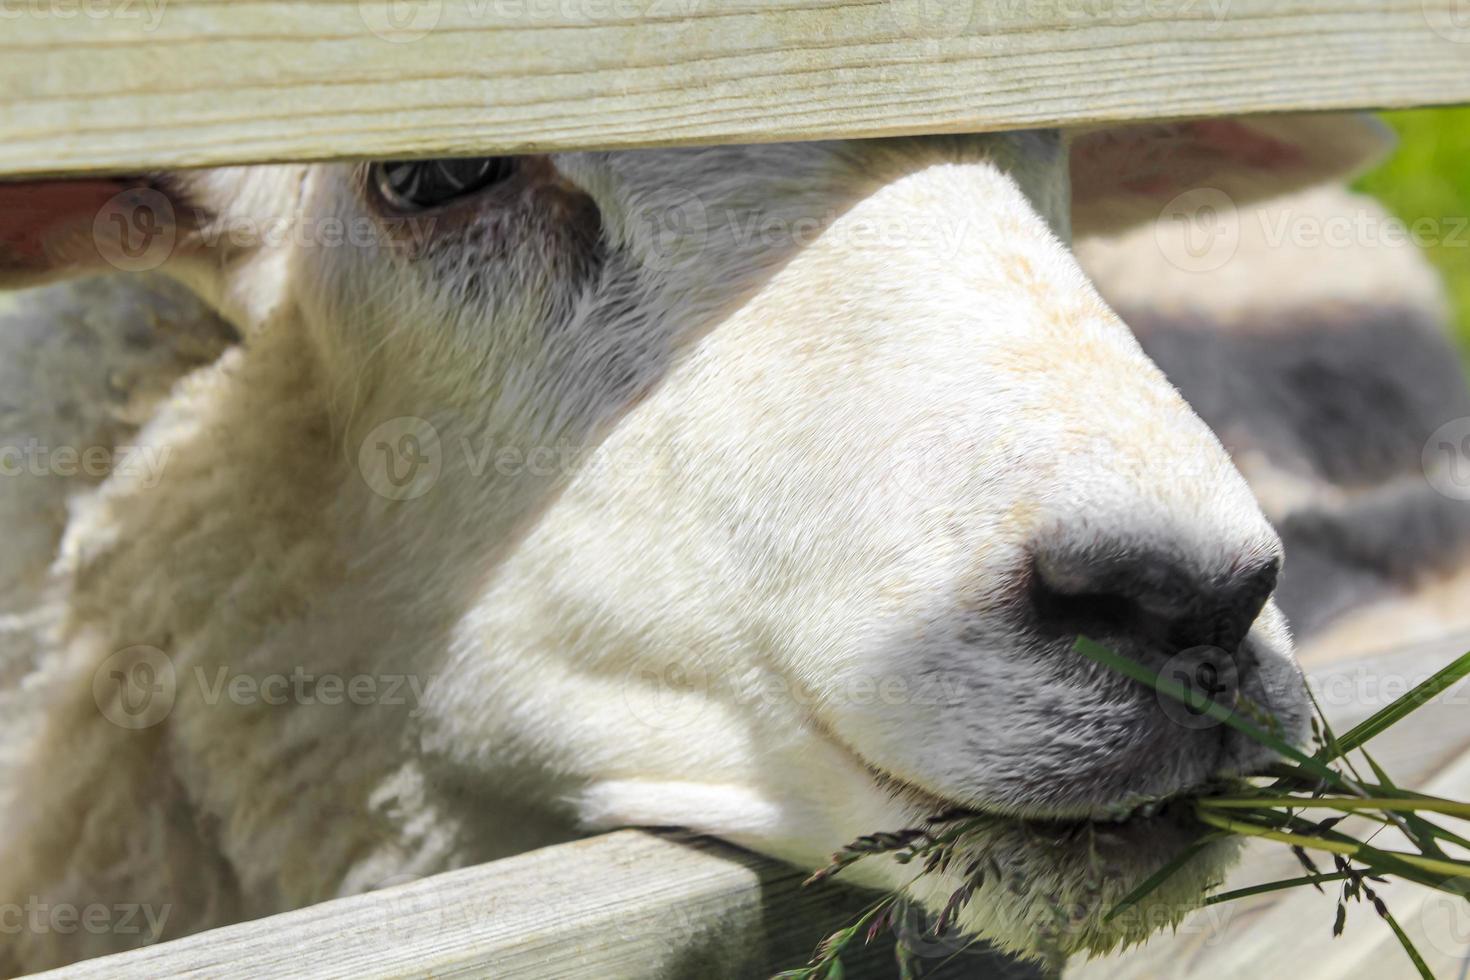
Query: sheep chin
(1048, 888)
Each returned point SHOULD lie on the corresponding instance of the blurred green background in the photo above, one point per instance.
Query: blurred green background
(1429, 177)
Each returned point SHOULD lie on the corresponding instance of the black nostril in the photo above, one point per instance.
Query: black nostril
(1148, 599)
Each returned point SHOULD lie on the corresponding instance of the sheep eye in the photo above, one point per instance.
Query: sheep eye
(413, 185)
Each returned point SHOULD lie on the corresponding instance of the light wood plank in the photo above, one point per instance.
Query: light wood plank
(169, 83)
(631, 904)
(635, 904)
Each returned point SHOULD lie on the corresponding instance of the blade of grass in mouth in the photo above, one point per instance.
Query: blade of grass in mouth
(1249, 809)
(1198, 702)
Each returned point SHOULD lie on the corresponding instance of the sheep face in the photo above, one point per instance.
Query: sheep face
(768, 490)
(844, 453)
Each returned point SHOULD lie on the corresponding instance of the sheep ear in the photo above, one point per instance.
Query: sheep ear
(52, 229)
(1126, 175)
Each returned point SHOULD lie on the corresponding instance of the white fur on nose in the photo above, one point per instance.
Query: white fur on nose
(795, 561)
(834, 487)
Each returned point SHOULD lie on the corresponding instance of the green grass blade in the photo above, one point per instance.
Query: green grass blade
(1378, 770)
(1198, 702)
(1156, 879)
(1332, 746)
(1344, 803)
(1426, 871)
(1274, 886)
(1421, 831)
(1400, 708)
(1403, 937)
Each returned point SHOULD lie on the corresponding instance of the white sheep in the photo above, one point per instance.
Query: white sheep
(759, 490)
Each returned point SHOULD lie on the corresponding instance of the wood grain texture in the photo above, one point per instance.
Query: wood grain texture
(631, 904)
(126, 85)
(668, 907)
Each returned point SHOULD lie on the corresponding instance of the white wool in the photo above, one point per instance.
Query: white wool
(817, 422)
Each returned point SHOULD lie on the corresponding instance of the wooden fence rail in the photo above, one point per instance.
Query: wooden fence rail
(669, 907)
(631, 904)
(127, 85)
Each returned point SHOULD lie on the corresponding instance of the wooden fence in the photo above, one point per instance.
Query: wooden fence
(630, 904)
(636, 904)
(126, 85)
(90, 86)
